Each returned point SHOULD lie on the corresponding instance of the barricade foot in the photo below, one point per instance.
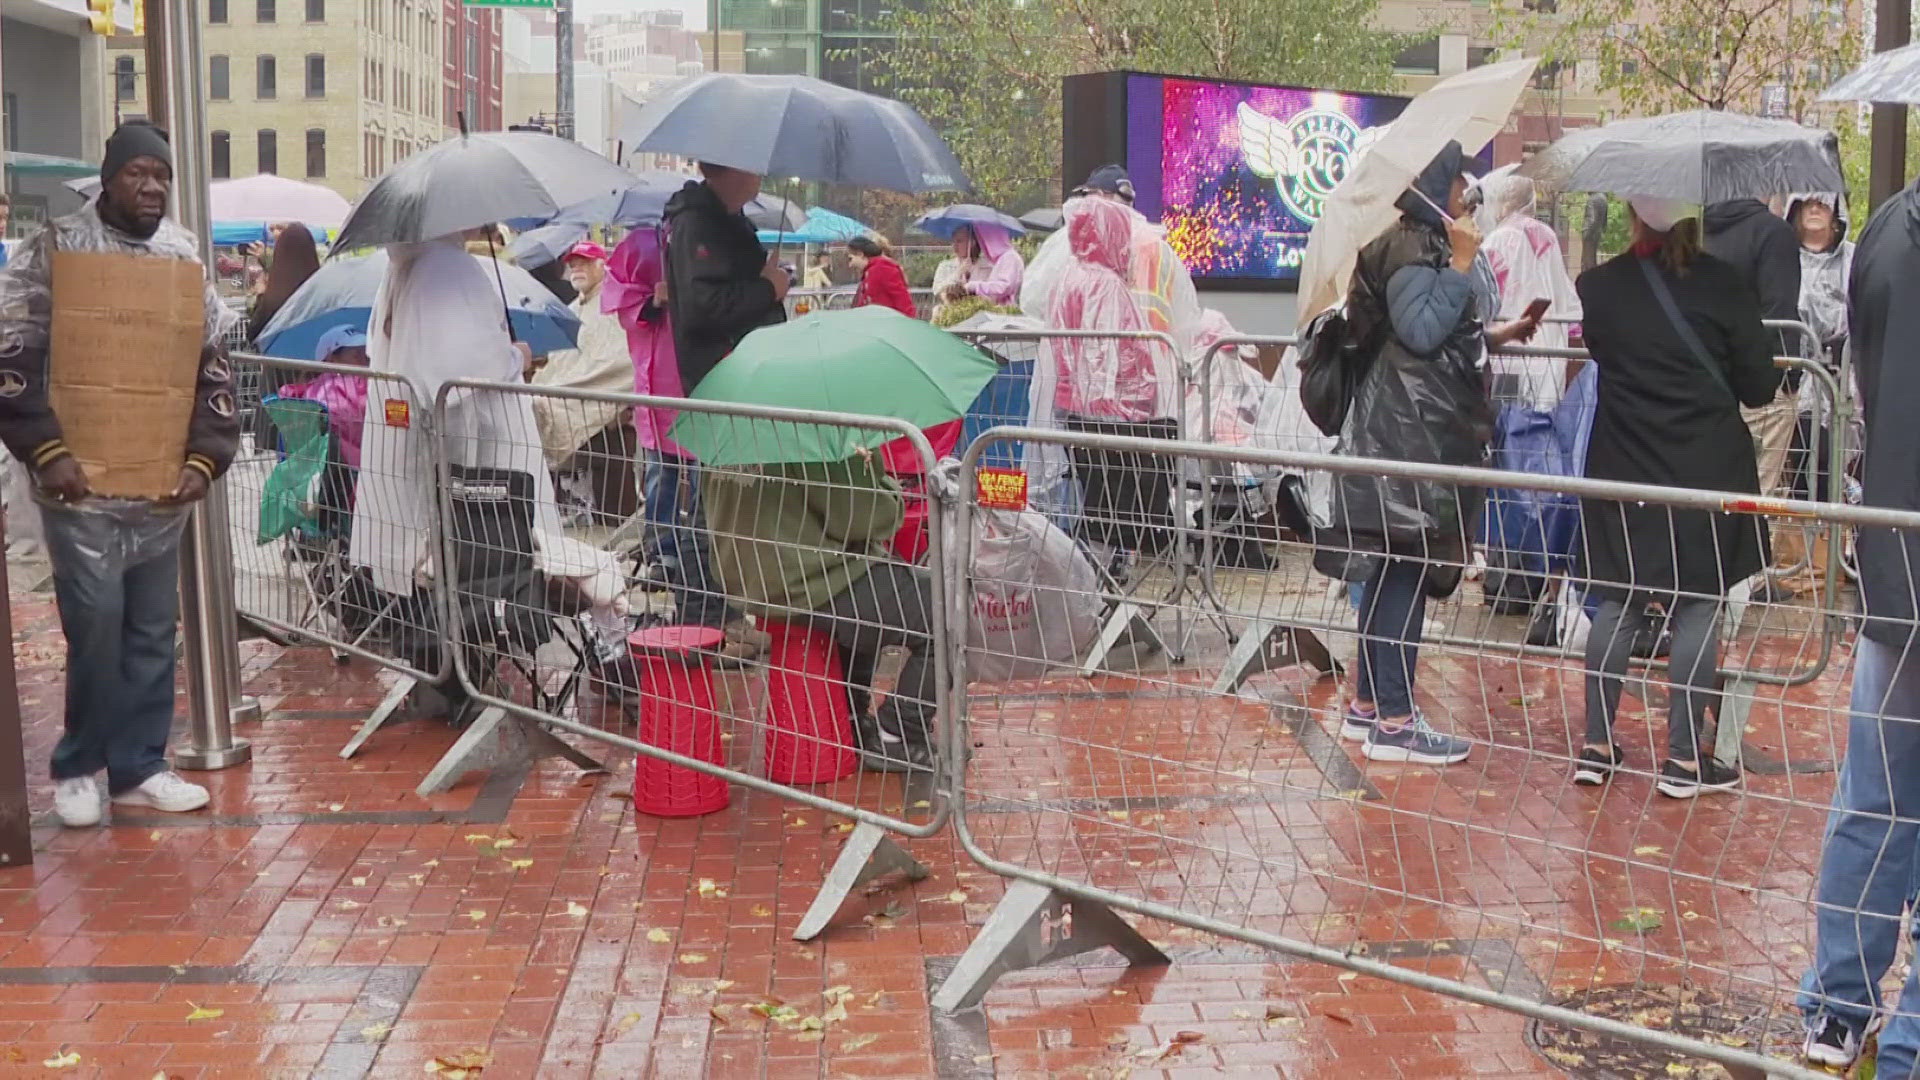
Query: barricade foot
(380, 715)
(868, 855)
(1266, 645)
(1730, 721)
(1034, 925)
(1126, 623)
(496, 738)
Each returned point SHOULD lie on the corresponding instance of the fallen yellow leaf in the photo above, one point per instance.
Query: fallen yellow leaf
(519, 864)
(476, 915)
(762, 911)
(359, 881)
(693, 958)
(200, 1013)
(958, 896)
(574, 910)
(376, 1032)
(659, 937)
(858, 1042)
(65, 1059)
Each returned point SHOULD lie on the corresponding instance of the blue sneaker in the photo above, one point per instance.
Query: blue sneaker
(1417, 742)
(1355, 726)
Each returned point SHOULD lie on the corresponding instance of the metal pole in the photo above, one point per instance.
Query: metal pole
(563, 68)
(1892, 28)
(713, 32)
(212, 650)
(157, 66)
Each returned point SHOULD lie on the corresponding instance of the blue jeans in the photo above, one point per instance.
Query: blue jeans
(118, 610)
(1393, 617)
(679, 542)
(1867, 866)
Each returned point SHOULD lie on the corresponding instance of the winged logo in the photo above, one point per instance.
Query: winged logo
(1266, 143)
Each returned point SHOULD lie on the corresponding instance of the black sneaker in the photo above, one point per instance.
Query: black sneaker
(1678, 783)
(1830, 1042)
(1596, 767)
(898, 757)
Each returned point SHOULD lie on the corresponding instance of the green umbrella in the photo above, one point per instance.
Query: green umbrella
(870, 361)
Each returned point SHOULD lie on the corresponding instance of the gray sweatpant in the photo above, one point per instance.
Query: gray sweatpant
(1693, 670)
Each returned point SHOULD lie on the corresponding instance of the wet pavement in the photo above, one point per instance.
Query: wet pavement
(322, 920)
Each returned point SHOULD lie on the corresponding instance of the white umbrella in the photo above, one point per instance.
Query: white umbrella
(274, 198)
(1889, 78)
(1469, 108)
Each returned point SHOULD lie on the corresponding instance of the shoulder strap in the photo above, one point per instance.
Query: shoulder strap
(1658, 283)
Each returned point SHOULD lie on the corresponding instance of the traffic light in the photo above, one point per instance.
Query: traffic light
(100, 16)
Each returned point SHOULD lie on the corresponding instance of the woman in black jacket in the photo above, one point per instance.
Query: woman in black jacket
(1422, 297)
(1669, 413)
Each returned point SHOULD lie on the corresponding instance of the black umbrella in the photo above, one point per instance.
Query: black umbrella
(798, 127)
(1045, 219)
(478, 179)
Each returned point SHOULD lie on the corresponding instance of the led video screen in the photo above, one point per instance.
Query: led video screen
(1238, 172)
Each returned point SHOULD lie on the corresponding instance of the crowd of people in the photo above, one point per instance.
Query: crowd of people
(1686, 394)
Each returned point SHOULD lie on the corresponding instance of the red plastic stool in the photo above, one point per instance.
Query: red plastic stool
(809, 729)
(677, 714)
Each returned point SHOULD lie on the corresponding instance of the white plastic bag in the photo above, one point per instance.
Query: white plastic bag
(1035, 599)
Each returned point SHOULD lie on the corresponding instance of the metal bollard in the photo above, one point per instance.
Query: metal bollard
(206, 566)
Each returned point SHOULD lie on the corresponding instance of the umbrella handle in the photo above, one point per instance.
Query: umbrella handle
(499, 280)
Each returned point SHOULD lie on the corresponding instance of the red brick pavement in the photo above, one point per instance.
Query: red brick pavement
(322, 920)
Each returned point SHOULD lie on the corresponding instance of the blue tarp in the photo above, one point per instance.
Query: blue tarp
(234, 233)
(822, 227)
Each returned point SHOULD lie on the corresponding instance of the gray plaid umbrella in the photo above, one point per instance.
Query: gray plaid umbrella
(1701, 157)
(1888, 78)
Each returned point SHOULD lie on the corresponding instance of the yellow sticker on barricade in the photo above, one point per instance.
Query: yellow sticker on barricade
(1001, 489)
(399, 413)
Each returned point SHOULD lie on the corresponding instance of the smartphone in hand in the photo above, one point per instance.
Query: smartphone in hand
(1538, 309)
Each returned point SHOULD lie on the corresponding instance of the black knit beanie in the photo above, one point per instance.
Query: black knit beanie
(135, 138)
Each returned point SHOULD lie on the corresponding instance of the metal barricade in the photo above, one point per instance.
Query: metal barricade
(765, 638)
(1629, 916)
(307, 481)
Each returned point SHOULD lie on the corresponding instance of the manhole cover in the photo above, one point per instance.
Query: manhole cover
(1734, 1020)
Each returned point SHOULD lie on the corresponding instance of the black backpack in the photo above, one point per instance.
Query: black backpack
(1336, 349)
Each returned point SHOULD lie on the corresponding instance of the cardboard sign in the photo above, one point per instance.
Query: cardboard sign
(124, 364)
(1001, 489)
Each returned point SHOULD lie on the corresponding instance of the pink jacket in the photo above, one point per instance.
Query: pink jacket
(633, 270)
(1114, 379)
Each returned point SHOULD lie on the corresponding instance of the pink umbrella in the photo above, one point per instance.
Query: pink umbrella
(274, 198)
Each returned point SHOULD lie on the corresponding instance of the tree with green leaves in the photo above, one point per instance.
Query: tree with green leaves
(1658, 56)
(987, 73)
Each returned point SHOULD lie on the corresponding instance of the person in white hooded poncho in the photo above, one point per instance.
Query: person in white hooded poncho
(1528, 264)
(438, 316)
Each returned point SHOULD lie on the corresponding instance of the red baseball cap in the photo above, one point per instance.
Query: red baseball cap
(586, 249)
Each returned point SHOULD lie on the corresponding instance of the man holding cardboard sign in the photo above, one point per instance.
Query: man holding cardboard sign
(115, 392)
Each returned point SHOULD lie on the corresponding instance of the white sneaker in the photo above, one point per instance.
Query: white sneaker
(165, 791)
(76, 802)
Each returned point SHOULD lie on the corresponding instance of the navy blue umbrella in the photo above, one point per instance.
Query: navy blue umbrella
(1045, 219)
(793, 126)
(341, 292)
(948, 220)
(645, 204)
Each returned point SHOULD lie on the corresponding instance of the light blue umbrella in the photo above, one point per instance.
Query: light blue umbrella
(948, 220)
(341, 292)
(821, 227)
(538, 247)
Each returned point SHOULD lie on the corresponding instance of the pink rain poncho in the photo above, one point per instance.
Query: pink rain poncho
(345, 399)
(1001, 284)
(634, 270)
(1108, 379)
(1528, 265)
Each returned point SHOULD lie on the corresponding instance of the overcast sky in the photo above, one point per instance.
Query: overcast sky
(694, 10)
